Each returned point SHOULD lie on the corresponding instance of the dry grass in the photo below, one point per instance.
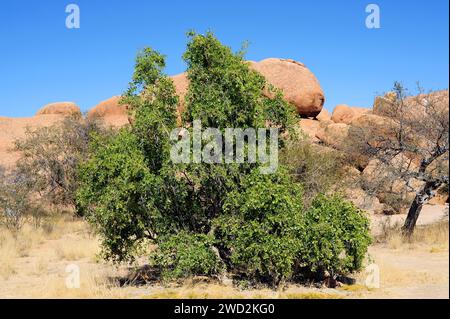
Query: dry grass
(216, 291)
(8, 254)
(57, 227)
(75, 249)
(426, 240)
(355, 288)
(435, 235)
(16, 245)
(33, 265)
(311, 295)
(94, 283)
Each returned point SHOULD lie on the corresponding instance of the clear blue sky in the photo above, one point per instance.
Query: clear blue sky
(41, 61)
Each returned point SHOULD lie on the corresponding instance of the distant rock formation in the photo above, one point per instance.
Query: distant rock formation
(60, 108)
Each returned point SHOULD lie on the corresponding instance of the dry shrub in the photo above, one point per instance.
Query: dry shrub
(319, 169)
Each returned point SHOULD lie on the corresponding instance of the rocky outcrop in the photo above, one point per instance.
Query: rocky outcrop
(309, 128)
(109, 107)
(412, 106)
(298, 84)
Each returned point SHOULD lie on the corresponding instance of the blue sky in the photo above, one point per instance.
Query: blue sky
(41, 61)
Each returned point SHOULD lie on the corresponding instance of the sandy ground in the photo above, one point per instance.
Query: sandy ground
(40, 264)
(415, 272)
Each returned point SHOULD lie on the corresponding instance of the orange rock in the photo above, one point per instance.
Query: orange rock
(298, 83)
(181, 84)
(12, 129)
(60, 108)
(110, 112)
(333, 134)
(324, 116)
(309, 127)
(413, 106)
(108, 107)
(343, 113)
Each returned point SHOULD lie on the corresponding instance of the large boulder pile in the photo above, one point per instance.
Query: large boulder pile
(333, 134)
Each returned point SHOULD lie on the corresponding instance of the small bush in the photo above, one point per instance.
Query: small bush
(335, 237)
(184, 255)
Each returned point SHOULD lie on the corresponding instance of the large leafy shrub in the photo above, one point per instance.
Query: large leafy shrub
(204, 218)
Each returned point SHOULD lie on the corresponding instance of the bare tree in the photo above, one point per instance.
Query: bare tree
(411, 146)
(51, 155)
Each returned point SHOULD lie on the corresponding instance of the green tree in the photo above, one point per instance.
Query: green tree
(204, 218)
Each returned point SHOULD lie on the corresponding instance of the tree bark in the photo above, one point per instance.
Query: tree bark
(416, 207)
(413, 215)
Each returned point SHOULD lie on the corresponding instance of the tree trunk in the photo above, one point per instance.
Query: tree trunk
(416, 207)
(413, 214)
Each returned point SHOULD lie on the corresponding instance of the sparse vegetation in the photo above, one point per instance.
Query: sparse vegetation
(15, 201)
(41, 273)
